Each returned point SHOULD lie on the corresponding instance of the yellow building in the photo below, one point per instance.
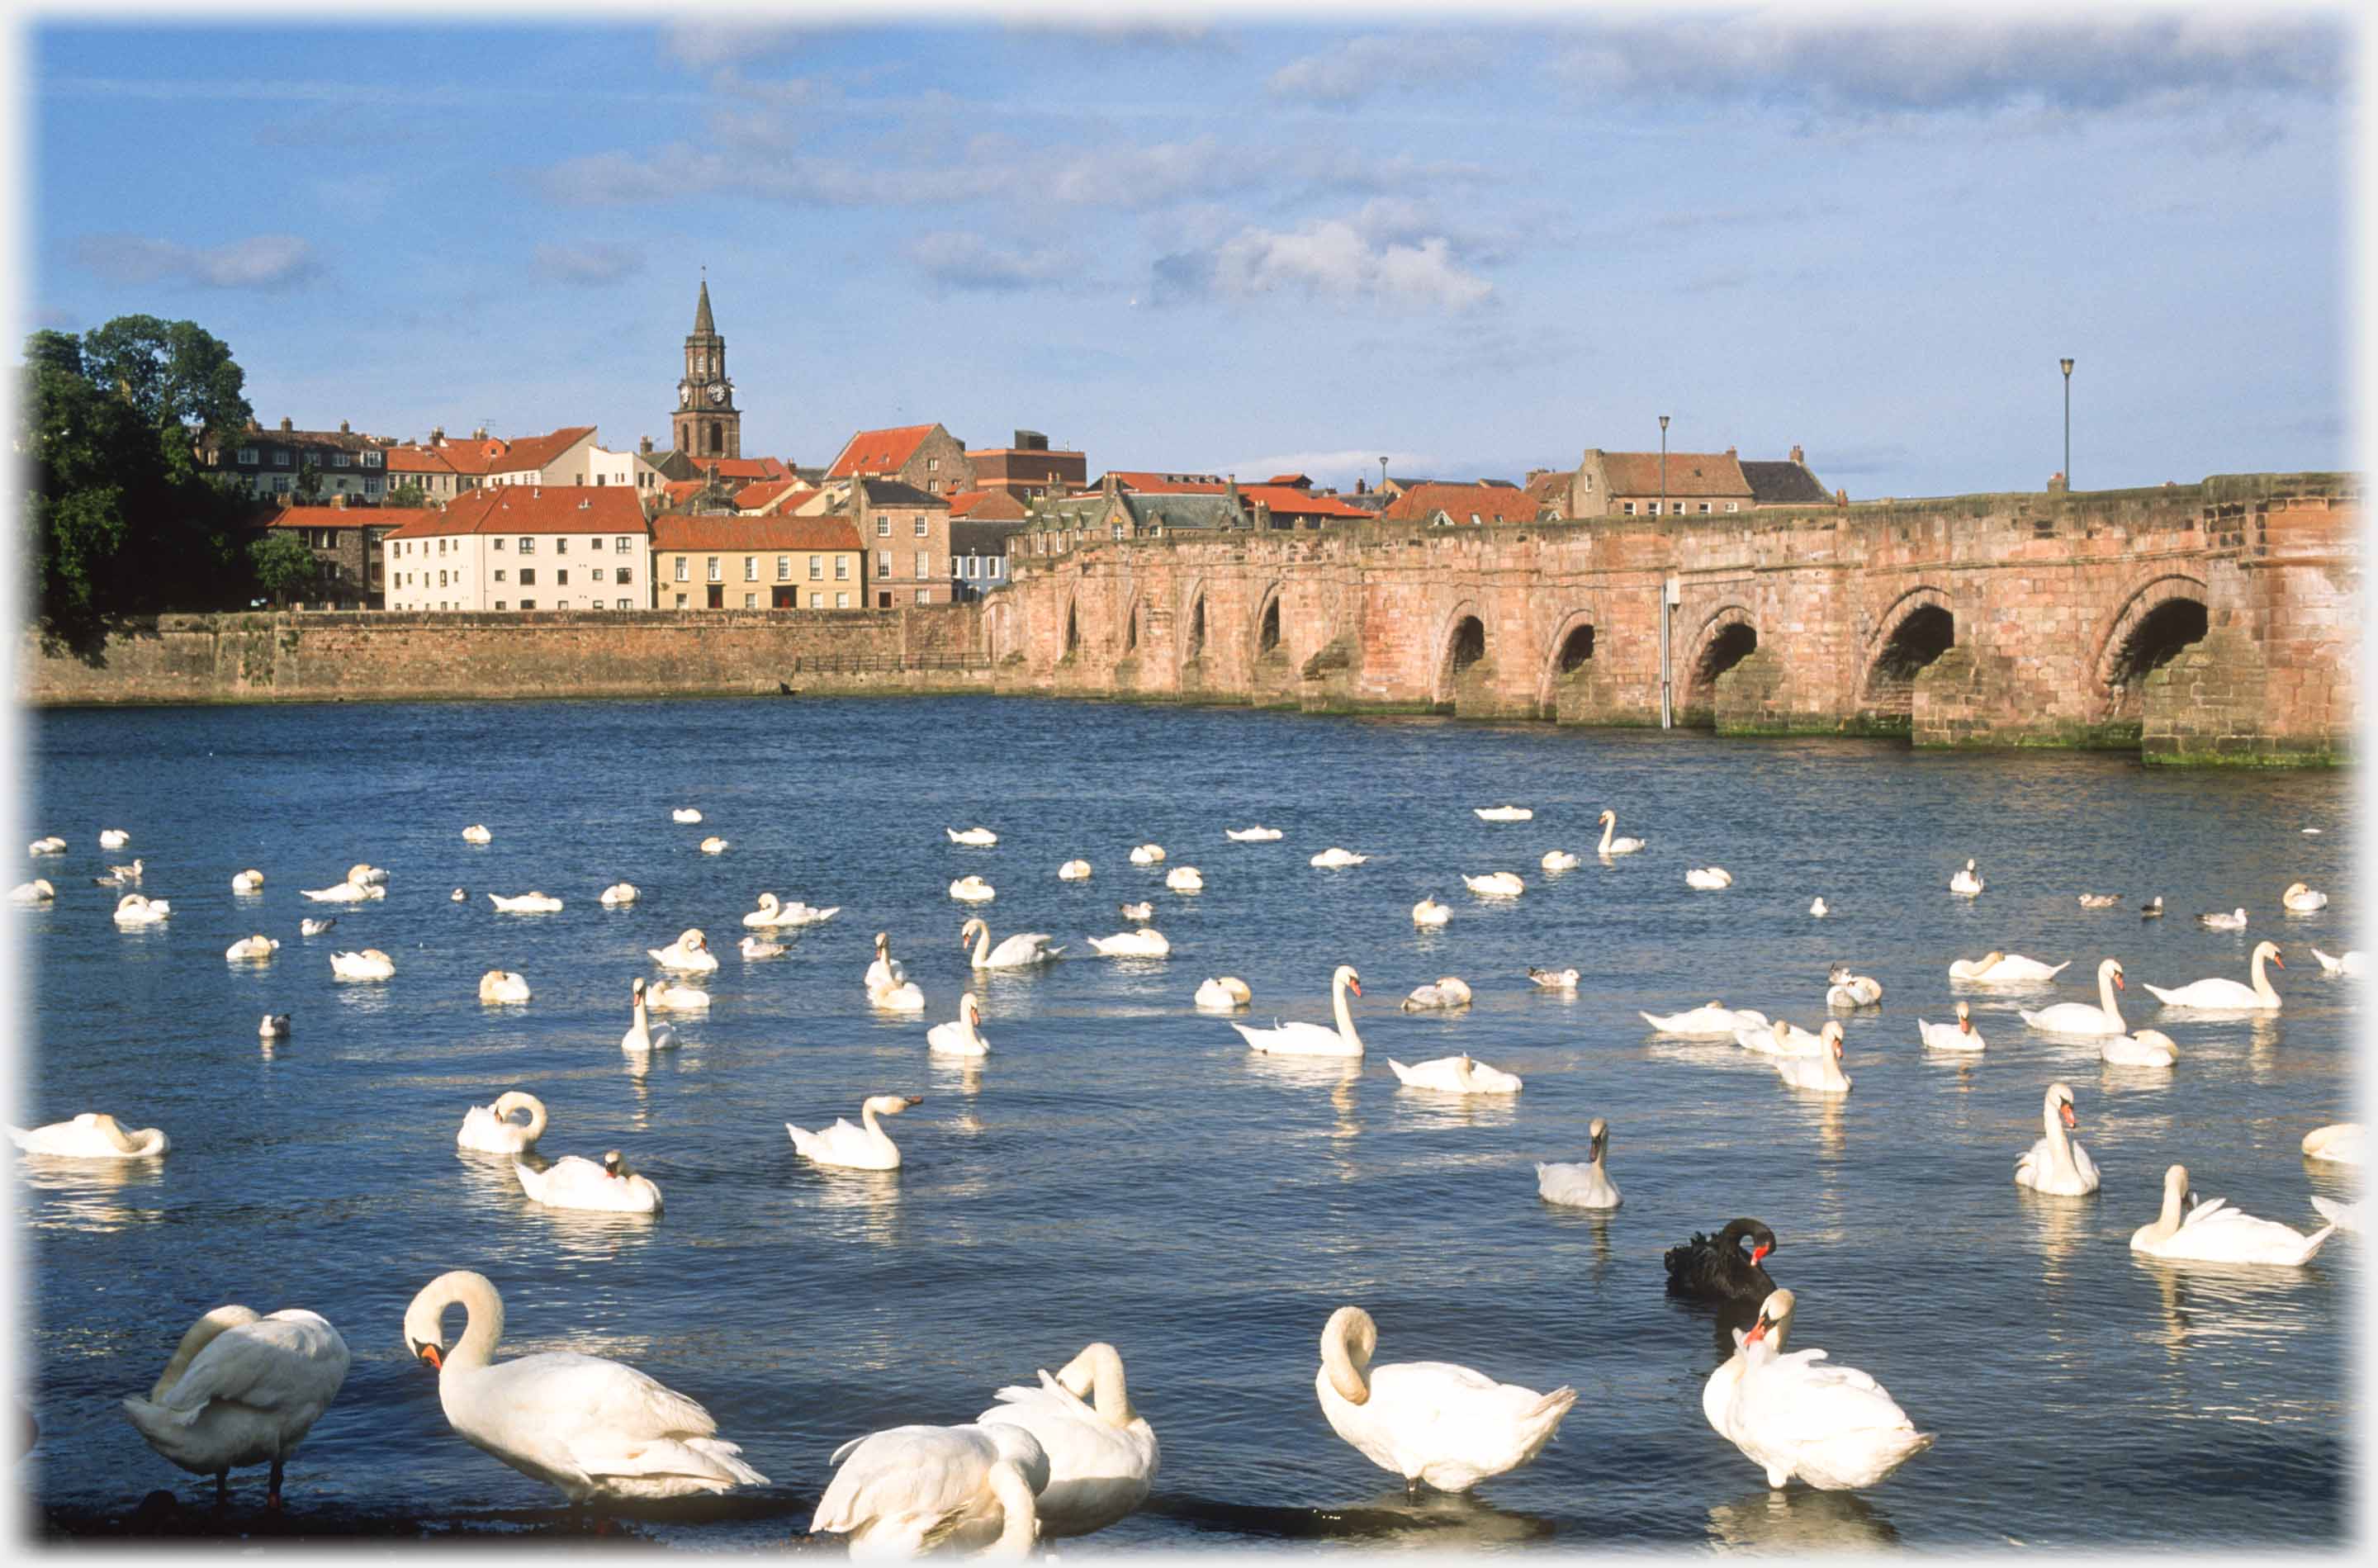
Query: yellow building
(757, 563)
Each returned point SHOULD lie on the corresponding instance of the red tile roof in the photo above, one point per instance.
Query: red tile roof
(417, 459)
(1150, 483)
(533, 509)
(1287, 500)
(1491, 503)
(1690, 473)
(764, 494)
(534, 451)
(751, 470)
(879, 451)
(1551, 487)
(347, 516)
(1302, 481)
(985, 505)
(671, 532)
(487, 454)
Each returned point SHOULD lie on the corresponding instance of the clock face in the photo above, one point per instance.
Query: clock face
(718, 392)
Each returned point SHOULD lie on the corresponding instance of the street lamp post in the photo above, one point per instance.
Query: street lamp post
(2068, 425)
(1663, 465)
(1383, 472)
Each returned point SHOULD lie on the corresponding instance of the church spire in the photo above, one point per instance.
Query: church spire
(702, 322)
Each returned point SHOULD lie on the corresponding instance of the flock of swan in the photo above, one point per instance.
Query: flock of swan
(1071, 1455)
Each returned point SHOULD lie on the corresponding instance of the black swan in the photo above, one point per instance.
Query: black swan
(1714, 1268)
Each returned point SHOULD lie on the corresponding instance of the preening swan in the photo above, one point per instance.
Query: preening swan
(1185, 879)
(689, 954)
(1455, 1075)
(132, 909)
(1833, 1427)
(2100, 900)
(1334, 857)
(50, 845)
(1967, 881)
(1143, 910)
(251, 949)
(344, 893)
(713, 844)
(369, 965)
(1715, 1268)
(1586, 1186)
(1611, 844)
(2229, 995)
(1428, 912)
(1780, 1038)
(1959, 1036)
(478, 833)
(2213, 1232)
(2233, 921)
(2078, 1017)
(597, 1430)
(93, 1135)
(572, 1182)
(1449, 1426)
(1448, 991)
(1711, 1021)
(671, 996)
(2301, 899)
(643, 1036)
(685, 814)
(274, 1027)
(1503, 813)
(1102, 1454)
(2147, 1048)
(312, 927)
(772, 913)
(1147, 854)
(1995, 968)
(2339, 1142)
(909, 1490)
(242, 1389)
(38, 891)
(972, 890)
(2055, 1165)
(1146, 942)
(364, 874)
(1073, 871)
(490, 1130)
(1817, 907)
(458, 897)
(114, 838)
(1312, 1039)
(1021, 951)
(1252, 835)
(525, 904)
(1495, 884)
(958, 1038)
(1226, 994)
(620, 894)
(247, 881)
(981, 838)
(1821, 1072)
(1558, 860)
(1846, 989)
(865, 1147)
(760, 947)
(1554, 979)
(2349, 966)
(1709, 879)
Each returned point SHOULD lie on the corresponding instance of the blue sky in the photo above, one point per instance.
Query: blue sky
(1478, 247)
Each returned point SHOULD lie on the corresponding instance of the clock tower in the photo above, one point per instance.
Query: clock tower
(706, 423)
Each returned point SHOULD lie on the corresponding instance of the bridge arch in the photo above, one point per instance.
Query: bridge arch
(1131, 618)
(1073, 628)
(1919, 628)
(999, 625)
(1270, 641)
(2159, 619)
(1192, 623)
(1568, 656)
(1460, 643)
(1729, 637)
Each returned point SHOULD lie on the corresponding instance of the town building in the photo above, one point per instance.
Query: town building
(908, 531)
(1791, 483)
(346, 544)
(1289, 500)
(758, 563)
(1147, 482)
(923, 457)
(635, 470)
(273, 462)
(1440, 505)
(1113, 512)
(446, 468)
(1649, 483)
(1029, 469)
(706, 422)
(522, 547)
(978, 554)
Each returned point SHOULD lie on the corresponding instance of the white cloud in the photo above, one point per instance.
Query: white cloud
(713, 43)
(1360, 66)
(589, 263)
(265, 262)
(1333, 259)
(959, 260)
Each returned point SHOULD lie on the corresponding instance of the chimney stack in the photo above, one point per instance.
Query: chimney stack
(1798, 458)
(284, 421)
(436, 435)
(1733, 454)
(342, 428)
(644, 445)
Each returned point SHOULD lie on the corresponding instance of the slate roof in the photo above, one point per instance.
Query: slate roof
(1785, 484)
(892, 493)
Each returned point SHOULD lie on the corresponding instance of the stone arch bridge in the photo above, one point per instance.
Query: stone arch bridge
(2215, 621)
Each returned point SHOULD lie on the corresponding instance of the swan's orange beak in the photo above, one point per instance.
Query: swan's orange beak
(429, 1353)
(2277, 960)
(2069, 1119)
(1355, 987)
(2117, 981)
(1758, 1332)
(1965, 1026)
(1758, 1251)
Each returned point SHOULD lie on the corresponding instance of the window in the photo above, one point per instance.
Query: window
(680, 600)
(1705, 509)
(1631, 508)
(371, 459)
(816, 600)
(932, 464)
(883, 528)
(441, 580)
(598, 575)
(623, 604)
(248, 456)
(500, 604)
(561, 577)
(1118, 530)
(924, 563)
(883, 563)
(784, 568)
(682, 567)
(528, 604)
(996, 566)
(842, 568)
(527, 545)
(341, 459)
(842, 600)
(620, 546)
(1585, 482)
(498, 543)
(817, 569)
(560, 545)
(441, 546)
(281, 484)
(713, 569)
(528, 577)
(750, 569)
(955, 569)
(924, 595)
(751, 601)
(1729, 506)
(499, 574)
(280, 457)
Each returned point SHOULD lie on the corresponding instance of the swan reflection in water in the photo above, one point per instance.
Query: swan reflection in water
(2205, 1302)
(1428, 1520)
(89, 1194)
(1801, 1520)
(857, 1205)
(961, 1076)
(2057, 1224)
(1595, 1221)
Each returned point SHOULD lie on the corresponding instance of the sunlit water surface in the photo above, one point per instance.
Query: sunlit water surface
(1122, 1168)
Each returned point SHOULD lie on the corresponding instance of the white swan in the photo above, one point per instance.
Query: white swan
(981, 838)
(369, 965)
(1554, 979)
(2233, 921)
(93, 1135)
(1823, 1072)
(1495, 884)
(1258, 834)
(1559, 861)
(1610, 844)
(2147, 1048)
(50, 845)
(2349, 966)
(643, 1036)
(620, 894)
(364, 874)
(1021, 951)
(311, 927)
(132, 909)
(2078, 1017)
(251, 949)
(2055, 1165)
(1428, 912)
(670, 997)
(525, 904)
(274, 1027)
(1959, 1036)
(573, 1182)
(250, 880)
(689, 954)
(972, 890)
(774, 913)
(242, 1389)
(2228, 995)
(908, 1490)
(1817, 907)
(1102, 1454)
(886, 971)
(865, 1147)
(1146, 942)
(38, 891)
(685, 814)
(1846, 989)
(490, 1130)
(1967, 881)
(958, 1037)
(1449, 1426)
(1147, 854)
(1333, 856)
(1312, 1039)
(343, 892)
(1709, 879)
(594, 1428)
(1185, 879)
(1142, 911)
(761, 947)
(713, 844)
(459, 896)
(114, 838)
(1586, 1186)
(1503, 813)
(1447, 991)
(1073, 871)
(478, 833)
(1711, 1021)
(2339, 1142)
(2340, 1216)
(1780, 1038)
(1226, 994)
(1455, 1075)
(2301, 899)
(2213, 1232)
(1835, 1428)
(1998, 968)
(900, 996)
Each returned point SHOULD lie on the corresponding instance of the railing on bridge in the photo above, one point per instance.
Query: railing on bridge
(886, 664)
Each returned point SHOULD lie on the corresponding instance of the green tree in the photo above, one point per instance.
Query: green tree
(173, 372)
(284, 567)
(409, 494)
(309, 482)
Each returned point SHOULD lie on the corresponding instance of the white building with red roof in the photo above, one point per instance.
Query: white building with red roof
(522, 547)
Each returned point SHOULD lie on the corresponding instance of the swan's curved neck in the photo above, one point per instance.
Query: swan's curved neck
(2174, 1201)
(1020, 1525)
(1097, 1371)
(875, 1134)
(1345, 1014)
(1346, 1347)
(2106, 996)
(2059, 1146)
(201, 1335)
(1609, 826)
(981, 944)
(2264, 991)
(481, 1327)
(517, 1100)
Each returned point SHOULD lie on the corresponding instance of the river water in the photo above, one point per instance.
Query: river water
(1122, 1168)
